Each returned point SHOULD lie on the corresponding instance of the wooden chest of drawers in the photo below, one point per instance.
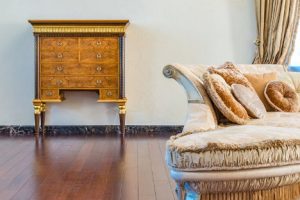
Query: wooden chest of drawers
(78, 55)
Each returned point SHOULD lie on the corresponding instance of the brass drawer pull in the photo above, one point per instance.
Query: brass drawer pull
(59, 43)
(59, 55)
(98, 43)
(59, 68)
(99, 68)
(59, 82)
(98, 82)
(109, 93)
(49, 93)
(98, 56)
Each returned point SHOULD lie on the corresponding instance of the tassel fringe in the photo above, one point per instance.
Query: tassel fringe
(289, 192)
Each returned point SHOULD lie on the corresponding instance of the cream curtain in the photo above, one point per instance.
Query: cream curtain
(277, 22)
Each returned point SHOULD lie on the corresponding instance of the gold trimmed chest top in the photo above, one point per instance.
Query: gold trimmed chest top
(79, 26)
(79, 55)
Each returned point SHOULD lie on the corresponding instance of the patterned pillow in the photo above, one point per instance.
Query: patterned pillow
(220, 93)
(231, 74)
(281, 96)
(249, 100)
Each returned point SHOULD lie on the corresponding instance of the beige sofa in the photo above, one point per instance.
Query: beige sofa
(259, 160)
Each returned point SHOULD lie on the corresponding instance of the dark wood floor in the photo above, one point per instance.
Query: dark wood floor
(84, 168)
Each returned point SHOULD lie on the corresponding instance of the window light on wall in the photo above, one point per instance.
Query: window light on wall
(295, 59)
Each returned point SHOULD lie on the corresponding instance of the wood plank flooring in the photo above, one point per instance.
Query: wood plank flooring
(84, 168)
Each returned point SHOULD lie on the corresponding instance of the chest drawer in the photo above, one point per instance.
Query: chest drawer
(53, 82)
(50, 94)
(93, 82)
(77, 82)
(59, 56)
(101, 68)
(99, 43)
(58, 44)
(97, 56)
(107, 94)
(60, 69)
(79, 69)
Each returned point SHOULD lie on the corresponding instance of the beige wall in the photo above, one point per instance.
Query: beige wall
(161, 32)
(295, 59)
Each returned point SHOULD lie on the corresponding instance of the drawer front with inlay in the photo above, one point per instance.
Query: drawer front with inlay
(107, 94)
(98, 56)
(58, 44)
(92, 82)
(53, 82)
(61, 69)
(50, 94)
(59, 56)
(101, 68)
(99, 43)
(79, 69)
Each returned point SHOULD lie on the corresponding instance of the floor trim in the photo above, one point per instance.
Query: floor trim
(91, 130)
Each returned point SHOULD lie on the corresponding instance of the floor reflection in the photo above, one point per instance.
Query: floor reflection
(74, 165)
(84, 168)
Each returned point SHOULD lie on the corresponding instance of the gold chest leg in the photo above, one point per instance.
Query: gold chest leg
(122, 114)
(43, 113)
(39, 115)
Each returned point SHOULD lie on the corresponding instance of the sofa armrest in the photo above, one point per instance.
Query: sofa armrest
(201, 115)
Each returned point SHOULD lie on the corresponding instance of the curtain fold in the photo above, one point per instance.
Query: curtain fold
(277, 22)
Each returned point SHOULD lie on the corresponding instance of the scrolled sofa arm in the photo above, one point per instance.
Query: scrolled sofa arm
(201, 115)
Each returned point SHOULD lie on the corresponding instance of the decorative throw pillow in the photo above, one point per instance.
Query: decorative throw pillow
(295, 77)
(281, 96)
(220, 93)
(259, 82)
(249, 99)
(231, 74)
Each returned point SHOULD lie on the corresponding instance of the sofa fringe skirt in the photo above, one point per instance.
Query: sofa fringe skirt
(288, 192)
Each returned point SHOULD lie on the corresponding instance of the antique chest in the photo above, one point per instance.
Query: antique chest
(78, 55)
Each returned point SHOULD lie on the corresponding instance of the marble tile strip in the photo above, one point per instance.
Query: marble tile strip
(90, 130)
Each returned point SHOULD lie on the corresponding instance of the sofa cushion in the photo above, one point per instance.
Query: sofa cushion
(235, 147)
(278, 119)
(199, 118)
(231, 74)
(259, 82)
(281, 96)
(220, 93)
(293, 79)
(249, 100)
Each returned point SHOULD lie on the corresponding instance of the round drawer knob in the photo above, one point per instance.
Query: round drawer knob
(49, 93)
(98, 43)
(98, 56)
(59, 55)
(59, 68)
(59, 82)
(99, 68)
(109, 93)
(99, 82)
(59, 43)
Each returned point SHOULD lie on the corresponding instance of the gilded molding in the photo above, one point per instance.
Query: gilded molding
(77, 29)
(37, 109)
(43, 107)
(122, 109)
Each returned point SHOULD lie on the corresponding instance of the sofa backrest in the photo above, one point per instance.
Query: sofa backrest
(198, 70)
(291, 78)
